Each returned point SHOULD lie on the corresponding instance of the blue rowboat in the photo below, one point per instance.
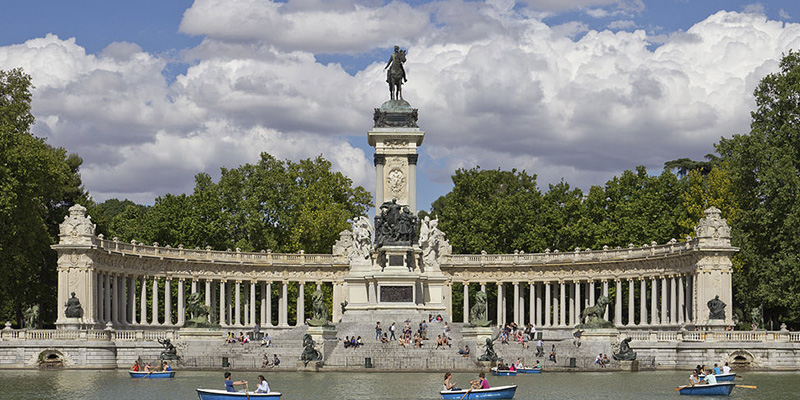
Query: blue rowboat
(152, 375)
(499, 392)
(715, 389)
(723, 377)
(214, 394)
(503, 372)
(529, 370)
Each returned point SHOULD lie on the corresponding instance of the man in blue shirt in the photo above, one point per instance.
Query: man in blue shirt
(229, 383)
(717, 371)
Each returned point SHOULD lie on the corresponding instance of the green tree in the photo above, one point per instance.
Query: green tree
(38, 183)
(764, 168)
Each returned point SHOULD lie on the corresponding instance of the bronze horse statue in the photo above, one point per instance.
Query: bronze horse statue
(396, 74)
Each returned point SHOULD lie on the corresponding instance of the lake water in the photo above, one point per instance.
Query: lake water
(25, 384)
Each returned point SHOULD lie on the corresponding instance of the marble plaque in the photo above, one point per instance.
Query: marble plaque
(397, 294)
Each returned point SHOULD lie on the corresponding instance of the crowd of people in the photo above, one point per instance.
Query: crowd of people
(408, 335)
(162, 366)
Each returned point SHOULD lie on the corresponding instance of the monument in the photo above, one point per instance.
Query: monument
(394, 277)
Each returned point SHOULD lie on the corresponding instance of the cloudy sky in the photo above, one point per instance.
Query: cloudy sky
(152, 92)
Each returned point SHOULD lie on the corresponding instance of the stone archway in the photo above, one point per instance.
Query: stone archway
(741, 359)
(51, 359)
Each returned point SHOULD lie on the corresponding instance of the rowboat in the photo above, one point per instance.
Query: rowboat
(503, 372)
(711, 389)
(215, 394)
(529, 370)
(499, 392)
(152, 375)
(723, 377)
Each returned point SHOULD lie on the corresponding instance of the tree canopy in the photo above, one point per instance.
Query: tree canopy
(38, 183)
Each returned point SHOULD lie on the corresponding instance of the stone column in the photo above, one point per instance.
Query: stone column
(605, 293)
(208, 293)
(132, 300)
(269, 304)
(301, 304)
(547, 304)
(194, 285)
(379, 160)
(572, 304)
(168, 301)
(673, 301)
(154, 289)
(107, 298)
(532, 301)
(654, 301)
(213, 304)
(690, 317)
(483, 287)
(338, 299)
(664, 319)
(642, 302)
(143, 302)
(562, 304)
(681, 302)
(222, 303)
(516, 303)
(373, 294)
(591, 295)
(115, 315)
(500, 313)
(262, 321)
(618, 302)
(237, 314)
(539, 305)
(229, 303)
(246, 301)
(283, 314)
(466, 302)
(631, 300)
(412, 182)
(577, 288)
(555, 306)
(98, 295)
(182, 300)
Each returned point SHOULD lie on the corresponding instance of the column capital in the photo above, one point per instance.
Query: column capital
(379, 159)
(412, 159)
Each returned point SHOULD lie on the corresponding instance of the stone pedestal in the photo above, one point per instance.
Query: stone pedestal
(600, 335)
(322, 333)
(72, 324)
(713, 325)
(477, 334)
(632, 366)
(201, 334)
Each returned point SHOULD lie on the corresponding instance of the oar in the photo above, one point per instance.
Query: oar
(465, 394)
(247, 390)
(681, 387)
(748, 386)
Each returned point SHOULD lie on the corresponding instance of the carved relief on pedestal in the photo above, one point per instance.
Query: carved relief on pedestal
(713, 230)
(396, 179)
(77, 227)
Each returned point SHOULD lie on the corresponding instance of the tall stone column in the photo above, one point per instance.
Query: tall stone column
(642, 302)
(466, 302)
(605, 293)
(143, 302)
(516, 303)
(664, 319)
(562, 304)
(591, 295)
(618, 302)
(681, 301)
(654, 301)
(572, 318)
(154, 290)
(222, 303)
(106, 297)
(182, 300)
(547, 304)
(532, 301)
(577, 288)
(246, 310)
(168, 301)
(262, 320)
(631, 301)
(132, 300)
(238, 311)
(555, 305)
(301, 303)
(673, 301)
(500, 311)
(338, 299)
(208, 292)
(269, 304)
(194, 286)
(483, 287)
(539, 305)
(115, 299)
(283, 314)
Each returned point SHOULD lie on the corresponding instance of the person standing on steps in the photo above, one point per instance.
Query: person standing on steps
(391, 331)
(378, 331)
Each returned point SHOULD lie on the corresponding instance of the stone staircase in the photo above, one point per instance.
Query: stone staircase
(286, 343)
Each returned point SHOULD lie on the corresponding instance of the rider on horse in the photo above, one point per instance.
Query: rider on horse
(394, 59)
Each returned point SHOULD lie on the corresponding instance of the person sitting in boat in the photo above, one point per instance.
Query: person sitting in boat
(229, 383)
(726, 369)
(166, 367)
(147, 368)
(501, 366)
(512, 367)
(694, 379)
(263, 386)
(135, 367)
(449, 383)
(710, 379)
(538, 365)
(480, 383)
(716, 369)
(519, 364)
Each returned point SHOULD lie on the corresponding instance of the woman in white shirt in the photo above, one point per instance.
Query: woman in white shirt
(263, 386)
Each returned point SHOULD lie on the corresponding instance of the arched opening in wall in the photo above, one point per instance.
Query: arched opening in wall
(741, 360)
(51, 359)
